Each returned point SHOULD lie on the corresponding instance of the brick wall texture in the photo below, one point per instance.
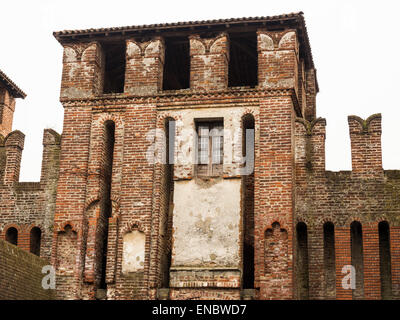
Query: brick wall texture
(301, 227)
(21, 274)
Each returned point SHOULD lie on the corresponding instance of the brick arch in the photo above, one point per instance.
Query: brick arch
(90, 202)
(276, 237)
(132, 225)
(197, 44)
(286, 39)
(164, 116)
(28, 228)
(352, 219)
(115, 201)
(270, 224)
(148, 50)
(66, 245)
(320, 221)
(78, 50)
(266, 42)
(133, 48)
(213, 44)
(106, 116)
(19, 228)
(29, 237)
(60, 227)
(385, 218)
(85, 47)
(248, 111)
(12, 225)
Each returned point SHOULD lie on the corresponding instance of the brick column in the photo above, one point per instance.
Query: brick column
(209, 60)
(71, 195)
(277, 59)
(14, 144)
(372, 279)
(83, 70)
(315, 262)
(274, 178)
(311, 92)
(395, 254)
(7, 107)
(366, 147)
(144, 66)
(343, 257)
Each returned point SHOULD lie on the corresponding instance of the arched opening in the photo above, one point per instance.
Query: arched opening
(243, 62)
(248, 200)
(12, 236)
(302, 261)
(105, 202)
(66, 264)
(275, 251)
(35, 240)
(385, 260)
(329, 260)
(357, 257)
(167, 185)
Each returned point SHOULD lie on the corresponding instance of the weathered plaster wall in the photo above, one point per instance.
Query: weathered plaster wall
(185, 152)
(206, 223)
(133, 251)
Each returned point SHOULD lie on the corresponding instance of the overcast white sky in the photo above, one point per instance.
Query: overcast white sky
(355, 47)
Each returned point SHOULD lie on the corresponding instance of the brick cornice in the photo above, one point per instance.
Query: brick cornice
(182, 97)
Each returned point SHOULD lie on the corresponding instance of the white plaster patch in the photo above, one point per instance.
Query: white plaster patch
(215, 48)
(147, 65)
(153, 47)
(197, 45)
(206, 223)
(132, 49)
(133, 251)
(287, 39)
(265, 42)
(70, 54)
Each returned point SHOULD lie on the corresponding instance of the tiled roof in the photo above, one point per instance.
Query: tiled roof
(59, 34)
(11, 86)
(293, 19)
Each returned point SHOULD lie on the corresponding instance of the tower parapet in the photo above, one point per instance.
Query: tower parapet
(82, 75)
(144, 66)
(366, 146)
(9, 91)
(209, 62)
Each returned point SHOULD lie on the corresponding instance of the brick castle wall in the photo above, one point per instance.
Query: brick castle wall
(21, 275)
(107, 214)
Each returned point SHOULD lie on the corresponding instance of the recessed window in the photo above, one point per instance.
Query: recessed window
(357, 258)
(243, 62)
(176, 74)
(114, 67)
(210, 147)
(12, 236)
(35, 239)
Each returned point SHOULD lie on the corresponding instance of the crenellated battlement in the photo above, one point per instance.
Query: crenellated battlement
(193, 166)
(366, 147)
(27, 206)
(11, 148)
(367, 195)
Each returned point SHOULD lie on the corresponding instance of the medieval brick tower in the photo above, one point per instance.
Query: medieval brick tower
(192, 166)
